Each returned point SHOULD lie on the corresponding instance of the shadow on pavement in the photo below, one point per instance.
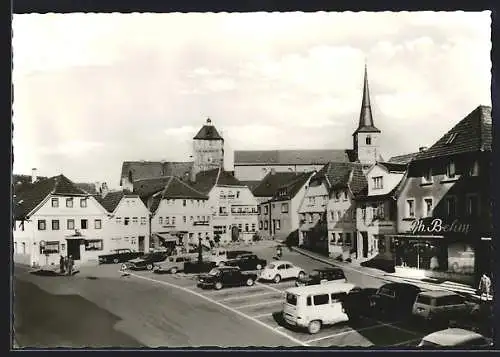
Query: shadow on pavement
(45, 320)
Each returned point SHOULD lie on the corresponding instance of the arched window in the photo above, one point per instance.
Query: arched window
(368, 140)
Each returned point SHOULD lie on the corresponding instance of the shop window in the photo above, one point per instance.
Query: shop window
(284, 208)
(94, 244)
(70, 224)
(51, 247)
(410, 208)
(472, 206)
(69, 202)
(41, 225)
(378, 183)
(55, 202)
(83, 202)
(97, 224)
(83, 224)
(340, 240)
(450, 170)
(428, 207)
(55, 224)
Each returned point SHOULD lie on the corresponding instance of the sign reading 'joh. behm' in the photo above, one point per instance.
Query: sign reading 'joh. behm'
(437, 226)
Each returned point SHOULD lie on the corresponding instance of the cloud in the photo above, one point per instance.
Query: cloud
(74, 148)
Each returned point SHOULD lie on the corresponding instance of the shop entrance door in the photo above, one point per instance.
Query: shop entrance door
(74, 248)
(364, 235)
(141, 243)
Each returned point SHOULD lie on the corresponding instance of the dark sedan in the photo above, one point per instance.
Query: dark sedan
(145, 262)
(225, 276)
(119, 256)
(247, 262)
(357, 302)
(322, 276)
(394, 299)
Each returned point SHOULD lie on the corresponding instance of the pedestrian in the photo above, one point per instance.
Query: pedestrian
(485, 286)
(61, 264)
(70, 265)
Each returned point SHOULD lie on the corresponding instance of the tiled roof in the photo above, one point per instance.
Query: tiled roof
(32, 195)
(87, 187)
(206, 180)
(176, 188)
(291, 157)
(271, 182)
(155, 202)
(292, 187)
(393, 167)
(147, 187)
(403, 159)
(473, 133)
(251, 184)
(208, 132)
(341, 174)
(112, 199)
(21, 181)
(153, 169)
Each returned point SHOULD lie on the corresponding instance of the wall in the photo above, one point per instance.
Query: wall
(368, 153)
(390, 180)
(258, 172)
(23, 236)
(208, 154)
(339, 225)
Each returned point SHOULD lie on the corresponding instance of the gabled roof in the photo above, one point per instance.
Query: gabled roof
(147, 187)
(32, 195)
(471, 134)
(152, 169)
(366, 124)
(271, 182)
(403, 159)
(251, 184)
(292, 157)
(176, 188)
(291, 188)
(112, 199)
(342, 175)
(87, 187)
(206, 180)
(208, 132)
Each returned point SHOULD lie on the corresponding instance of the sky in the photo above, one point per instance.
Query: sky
(94, 90)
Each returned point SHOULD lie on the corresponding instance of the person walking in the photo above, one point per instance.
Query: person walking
(70, 265)
(61, 264)
(485, 287)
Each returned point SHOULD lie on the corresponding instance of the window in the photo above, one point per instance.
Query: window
(167, 220)
(428, 207)
(474, 169)
(184, 219)
(70, 224)
(410, 208)
(83, 224)
(160, 220)
(363, 212)
(451, 138)
(94, 244)
(380, 211)
(291, 299)
(143, 221)
(69, 202)
(278, 224)
(173, 220)
(246, 227)
(41, 225)
(284, 208)
(253, 227)
(260, 224)
(191, 218)
(321, 299)
(24, 248)
(237, 194)
(347, 238)
(427, 176)
(378, 183)
(240, 226)
(55, 202)
(119, 220)
(451, 206)
(472, 206)
(55, 224)
(135, 220)
(266, 210)
(258, 209)
(126, 221)
(97, 224)
(339, 297)
(265, 225)
(184, 203)
(83, 202)
(450, 170)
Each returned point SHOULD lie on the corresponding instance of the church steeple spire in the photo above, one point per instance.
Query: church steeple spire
(366, 124)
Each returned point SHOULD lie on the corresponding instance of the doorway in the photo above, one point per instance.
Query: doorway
(74, 248)
(141, 243)
(235, 233)
(364, 236)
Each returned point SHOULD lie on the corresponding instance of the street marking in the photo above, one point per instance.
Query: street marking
(262, 315)
(393, 325)
(407, 341)
(259, 304)
(291, 338)
(245, 296)
(269, 287)
(343, 333)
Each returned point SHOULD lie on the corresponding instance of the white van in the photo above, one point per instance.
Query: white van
(315, 305)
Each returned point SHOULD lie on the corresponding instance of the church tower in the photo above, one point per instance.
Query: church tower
(366, 136)
(208, 149)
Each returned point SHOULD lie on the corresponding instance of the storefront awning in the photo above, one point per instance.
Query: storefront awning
(414, 236)
(167, 237)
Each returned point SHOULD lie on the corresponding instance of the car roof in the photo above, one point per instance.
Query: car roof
(438, 293)
(328, 269)
(315, 289)
(400, 285)
(452, 336)
(227, 268)
(282, 262)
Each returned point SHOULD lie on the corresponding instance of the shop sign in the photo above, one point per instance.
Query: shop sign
(438, 226)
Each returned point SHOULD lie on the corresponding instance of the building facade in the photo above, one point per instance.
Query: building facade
(208, 149)
(444, 207)
(53, 217)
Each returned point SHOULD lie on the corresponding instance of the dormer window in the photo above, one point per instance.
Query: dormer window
(474, 169)
(427, 176)
(368, 140)
(450, 170)
(377, 183)
(451, 138)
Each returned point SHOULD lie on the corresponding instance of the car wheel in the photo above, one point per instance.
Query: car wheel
(149, 267)
(116, 261)
(314, 327)
(249, 282)
(173, 270)
(302, 275)
(218, 285)
(259, 267)
(277, 279)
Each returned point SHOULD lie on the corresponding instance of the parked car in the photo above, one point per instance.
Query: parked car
(194, 267)
(455, 337)
(357, 302)
(281, 269)
(220, 277)
(119, 256)
(172, 264)
(441, 306)
(462, 263)
(322, 276)
(145, 262)
(247, 262)
(394, 299)
(220, 256)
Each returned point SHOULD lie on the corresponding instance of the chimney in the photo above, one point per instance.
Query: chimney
(422, 149)
(97, 186)
(104, 189)
(33, 175)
